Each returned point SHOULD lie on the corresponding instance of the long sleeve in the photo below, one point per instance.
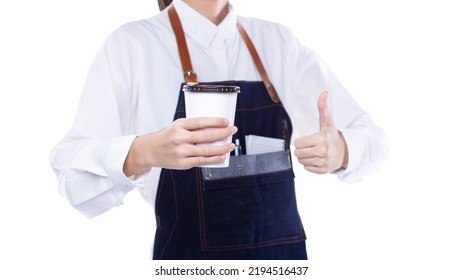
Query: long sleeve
(88, 161)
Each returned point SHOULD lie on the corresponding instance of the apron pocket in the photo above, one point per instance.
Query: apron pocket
(251, 204)
(246, 169)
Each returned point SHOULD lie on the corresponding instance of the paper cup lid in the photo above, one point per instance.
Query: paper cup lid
(211, 88)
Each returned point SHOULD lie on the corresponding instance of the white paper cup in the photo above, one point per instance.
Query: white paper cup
(212, 101)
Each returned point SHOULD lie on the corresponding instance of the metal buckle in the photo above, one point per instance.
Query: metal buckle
(191, 78)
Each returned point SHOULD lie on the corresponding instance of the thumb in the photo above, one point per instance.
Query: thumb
(325, 116)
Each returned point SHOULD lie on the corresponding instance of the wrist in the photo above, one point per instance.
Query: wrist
(346, 151)
(135, 162)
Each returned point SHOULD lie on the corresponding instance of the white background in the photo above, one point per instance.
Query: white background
(402, 60)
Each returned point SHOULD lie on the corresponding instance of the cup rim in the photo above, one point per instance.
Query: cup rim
(211, 88)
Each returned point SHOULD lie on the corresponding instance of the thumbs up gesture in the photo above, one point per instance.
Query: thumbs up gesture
(326, 150)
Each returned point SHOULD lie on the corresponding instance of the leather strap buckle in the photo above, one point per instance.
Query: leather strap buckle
(191, 78)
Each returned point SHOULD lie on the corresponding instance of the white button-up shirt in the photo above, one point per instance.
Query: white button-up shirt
(133, 85)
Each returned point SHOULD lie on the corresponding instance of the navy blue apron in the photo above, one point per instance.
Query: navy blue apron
(245, 211)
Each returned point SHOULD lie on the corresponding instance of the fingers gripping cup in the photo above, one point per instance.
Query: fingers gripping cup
(212, 101)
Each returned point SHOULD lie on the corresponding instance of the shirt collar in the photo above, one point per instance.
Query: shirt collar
(203, 31)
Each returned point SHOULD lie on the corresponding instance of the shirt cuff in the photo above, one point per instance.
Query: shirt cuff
(356, 143)
(117, 153)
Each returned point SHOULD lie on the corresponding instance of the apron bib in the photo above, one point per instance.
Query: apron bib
(245, 211)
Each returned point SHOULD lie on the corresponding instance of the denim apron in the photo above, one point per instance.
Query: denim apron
(245, 211)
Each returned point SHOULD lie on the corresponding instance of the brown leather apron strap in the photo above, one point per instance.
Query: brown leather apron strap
(258, 63)
(190, 76)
